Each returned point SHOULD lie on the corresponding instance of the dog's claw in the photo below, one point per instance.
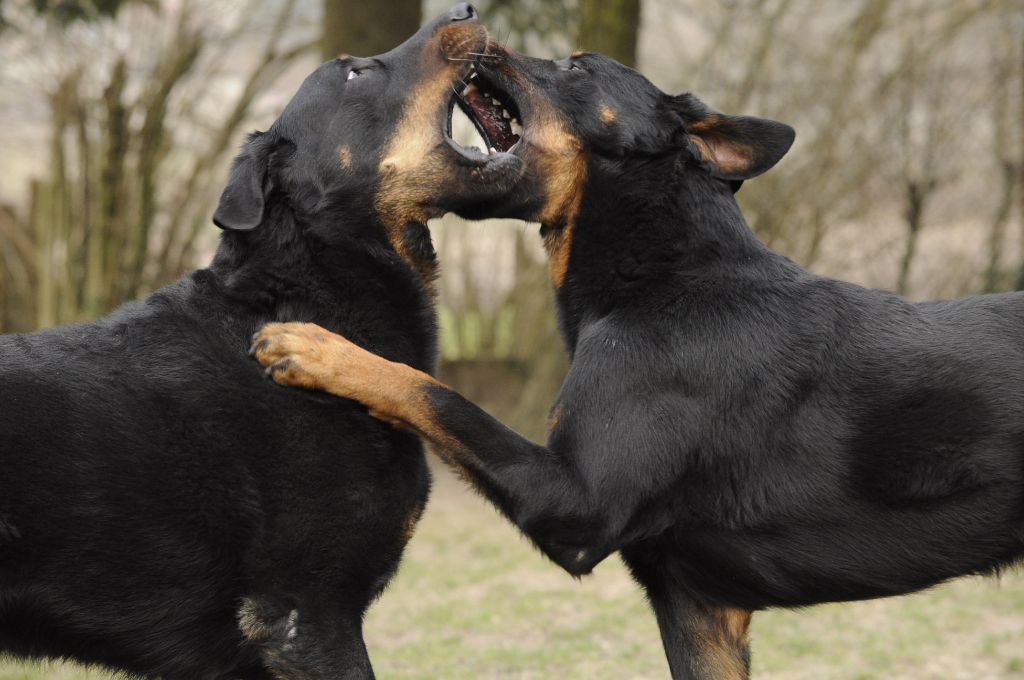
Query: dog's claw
(279, 366)
(257, 346)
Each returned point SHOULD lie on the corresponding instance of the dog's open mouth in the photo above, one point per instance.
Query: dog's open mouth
(491, 111)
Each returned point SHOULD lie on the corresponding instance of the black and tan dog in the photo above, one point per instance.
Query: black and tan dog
(747, 434)
(162, 510)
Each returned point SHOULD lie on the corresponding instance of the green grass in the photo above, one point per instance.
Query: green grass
(474, 600)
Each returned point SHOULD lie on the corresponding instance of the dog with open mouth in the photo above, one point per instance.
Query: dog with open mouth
(164, 513)
(745, 433)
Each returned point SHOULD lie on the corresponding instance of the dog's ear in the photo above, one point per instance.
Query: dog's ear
(732, 147)
(241, 203)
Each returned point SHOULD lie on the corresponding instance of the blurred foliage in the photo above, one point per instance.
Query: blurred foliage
(539, 27)
(132, 166)
(67, 11)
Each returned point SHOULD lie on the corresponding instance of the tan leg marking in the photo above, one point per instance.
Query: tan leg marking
(720, 642)
(306, 355)
(411, 520)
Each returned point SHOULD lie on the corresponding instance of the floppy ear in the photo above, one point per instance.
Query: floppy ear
(733, 147)
(241, 203)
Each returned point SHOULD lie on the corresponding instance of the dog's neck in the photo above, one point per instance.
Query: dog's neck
(659, 233)
(332, 269)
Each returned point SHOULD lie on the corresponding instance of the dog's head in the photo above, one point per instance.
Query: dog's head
(372, 135)
(589, 121)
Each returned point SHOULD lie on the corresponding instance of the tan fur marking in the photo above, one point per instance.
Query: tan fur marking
(554, 416)
(728, 155)
(412, 168)
(407, 180)
(411, 521)
(709, 122)
(564, 169)
(345, 157)
(608, 115)
(567, 190)
(721, 643)
(251, 622)
(557, 156)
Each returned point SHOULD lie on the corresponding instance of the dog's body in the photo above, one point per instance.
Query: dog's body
(810, 440)
(163, 510)
(747, 434)
(154, 491)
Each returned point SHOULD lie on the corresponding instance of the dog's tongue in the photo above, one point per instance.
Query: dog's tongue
(489, 115)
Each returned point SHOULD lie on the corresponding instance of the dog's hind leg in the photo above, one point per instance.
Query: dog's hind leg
(702, 641)
(297, 644)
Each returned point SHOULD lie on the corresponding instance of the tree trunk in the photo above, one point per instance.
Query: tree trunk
(997, 231)
(1020, 161)
(365, 28)
(610, 27)
(917, 196)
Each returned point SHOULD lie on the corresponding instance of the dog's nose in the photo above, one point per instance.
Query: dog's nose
(462, 12)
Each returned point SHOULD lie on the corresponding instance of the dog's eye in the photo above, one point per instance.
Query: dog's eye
(354, 73)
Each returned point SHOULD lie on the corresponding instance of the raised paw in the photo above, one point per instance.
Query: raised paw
(299, 354)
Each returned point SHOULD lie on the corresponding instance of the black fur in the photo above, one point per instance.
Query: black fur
(746, 433)
(163, 511)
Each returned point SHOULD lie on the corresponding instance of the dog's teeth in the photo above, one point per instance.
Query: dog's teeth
(469, 88)
(494, 100)
(506, 115)
(493, 150)
(517, 128)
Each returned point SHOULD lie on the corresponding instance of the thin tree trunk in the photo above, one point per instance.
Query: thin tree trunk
(85, 226)
(610, 27)
(1020, 160)
(152, 140)
(104, 249)
(1002, 132)
(997, 232)
(366, 28)
(917, 195)
(40, 198)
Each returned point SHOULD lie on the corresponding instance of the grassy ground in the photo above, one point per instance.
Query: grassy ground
(474, 600)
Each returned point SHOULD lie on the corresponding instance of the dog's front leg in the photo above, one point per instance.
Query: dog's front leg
(534, 486)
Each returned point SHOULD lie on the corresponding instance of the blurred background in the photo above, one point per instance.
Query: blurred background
(118, 119)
